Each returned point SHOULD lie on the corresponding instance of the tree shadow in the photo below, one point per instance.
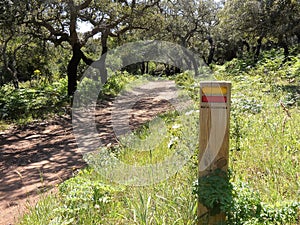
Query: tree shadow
(35, 158)
(38, 156)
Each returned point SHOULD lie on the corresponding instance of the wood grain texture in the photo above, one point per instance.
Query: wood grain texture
(214, 139)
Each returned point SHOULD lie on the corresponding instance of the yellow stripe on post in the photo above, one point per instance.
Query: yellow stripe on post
(217, 90)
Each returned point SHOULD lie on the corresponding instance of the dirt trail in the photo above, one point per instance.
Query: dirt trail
(33, 160)
(37, 157)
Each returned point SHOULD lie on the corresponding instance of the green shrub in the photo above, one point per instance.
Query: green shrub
(117, 82)
(36, 102)
(188, 82)
(241, 204)
(248, 208)
(214, 191)
(264, 190)
(26, 103)
(84, 199)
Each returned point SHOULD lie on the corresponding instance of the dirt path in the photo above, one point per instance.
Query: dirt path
(35, 158)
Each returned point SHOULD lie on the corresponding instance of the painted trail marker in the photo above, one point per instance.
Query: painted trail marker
(214, 137)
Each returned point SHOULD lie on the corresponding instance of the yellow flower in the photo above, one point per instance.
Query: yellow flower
(37, 72)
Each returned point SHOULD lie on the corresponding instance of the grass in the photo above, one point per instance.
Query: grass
(166, 203)
(264, 162)
(269, 148)
(42, 213)
(4, 125)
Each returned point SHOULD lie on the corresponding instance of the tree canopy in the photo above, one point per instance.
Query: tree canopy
(35, 32)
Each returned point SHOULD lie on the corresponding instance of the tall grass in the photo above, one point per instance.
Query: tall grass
(264, 160)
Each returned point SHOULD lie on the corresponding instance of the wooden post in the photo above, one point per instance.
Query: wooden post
(214, 137)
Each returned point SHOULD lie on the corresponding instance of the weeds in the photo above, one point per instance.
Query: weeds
(264, 186)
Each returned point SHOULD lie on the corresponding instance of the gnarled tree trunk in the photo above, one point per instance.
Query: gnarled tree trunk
(211, 51)
(102, 62)
(77, 55)
(258, 48)
(72, 69)
(11, 69)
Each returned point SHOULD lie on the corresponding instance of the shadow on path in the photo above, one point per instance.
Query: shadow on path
(35, 158)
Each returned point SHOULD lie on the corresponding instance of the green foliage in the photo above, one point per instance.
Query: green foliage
(83, 200)
(248, 208)
(184, 79)
(265, 21)
(214, 191)
(246, 105)
(117, 82)
(32, 102)
(43, 98)
(264, 184)
(263, 98)
(237, 66)
(43, 212)
(240, 203)
(188, 82)
(245, 206)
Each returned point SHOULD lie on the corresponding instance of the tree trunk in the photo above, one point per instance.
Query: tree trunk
(245, 43)
(14, 73)
(15, 79)
(258, 48)
(11, 69)
(286, 50)
(72, 69)
(142, 67)
(285, 47)
(211, 51)
(147, 67)
(73, 66)
(102, 64)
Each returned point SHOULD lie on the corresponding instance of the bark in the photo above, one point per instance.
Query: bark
(143, 67)
(11, 69)
(298, 37)
(72, 69)
(284, 45)
(147, 67)
(102, 62)
(14, 73)
(286, 50)
(211, 51)
(258, 48)
(245, 43)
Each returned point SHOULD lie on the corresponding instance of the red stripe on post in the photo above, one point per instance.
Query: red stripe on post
(214, 99)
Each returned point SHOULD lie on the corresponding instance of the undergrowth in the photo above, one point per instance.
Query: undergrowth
(38, 101)
(28, 103)
(263, 187)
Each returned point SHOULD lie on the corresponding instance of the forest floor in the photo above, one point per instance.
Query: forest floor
(35, 158)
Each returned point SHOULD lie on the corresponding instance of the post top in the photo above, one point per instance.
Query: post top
(215, 83)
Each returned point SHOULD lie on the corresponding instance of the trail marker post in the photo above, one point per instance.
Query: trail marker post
(214, 137)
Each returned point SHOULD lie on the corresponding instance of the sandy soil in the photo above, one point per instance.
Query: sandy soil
(37, 157)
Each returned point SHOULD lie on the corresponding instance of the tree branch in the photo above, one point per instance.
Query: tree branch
(84, 5)
(85, 59)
